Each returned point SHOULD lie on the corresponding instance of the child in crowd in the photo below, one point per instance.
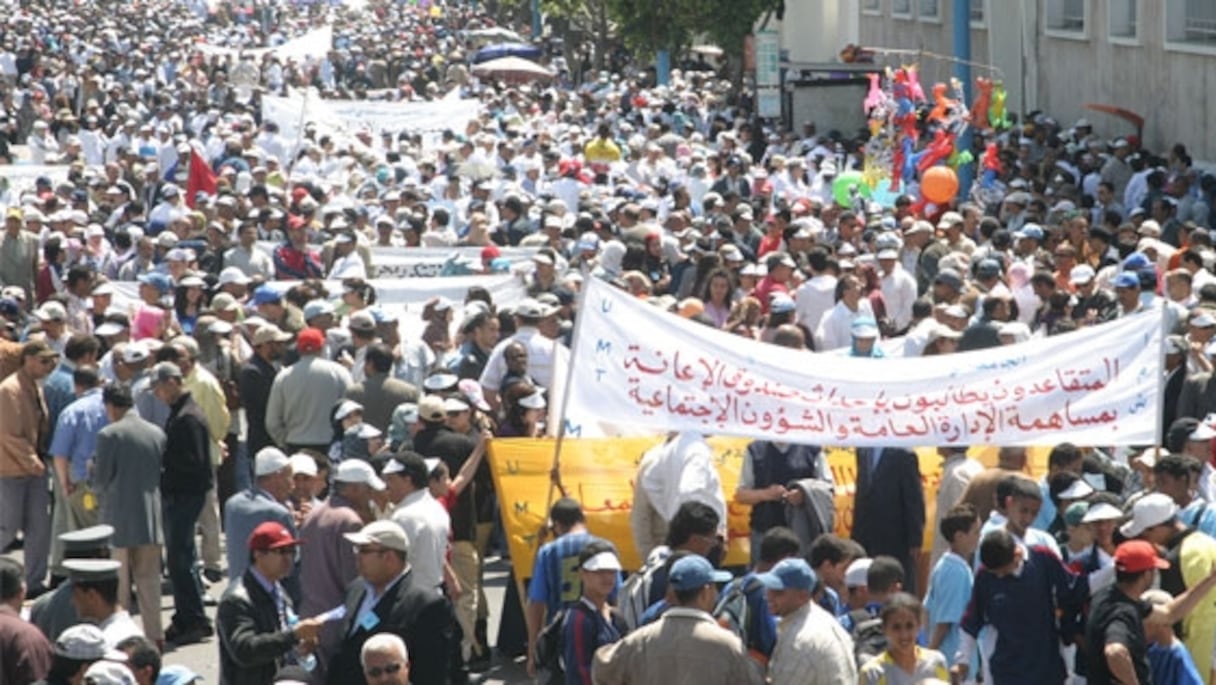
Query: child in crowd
(830, 556)
(903, 662)
(950, 581)
(1167, 656)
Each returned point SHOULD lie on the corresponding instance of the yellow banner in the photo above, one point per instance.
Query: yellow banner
(599, 473)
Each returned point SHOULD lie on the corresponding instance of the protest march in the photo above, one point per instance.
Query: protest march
(315, 316)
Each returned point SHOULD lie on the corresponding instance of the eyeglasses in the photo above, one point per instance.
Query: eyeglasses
(369, 550)
(387, 669)
(283, 550)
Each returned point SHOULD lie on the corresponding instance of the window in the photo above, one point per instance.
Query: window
(928, 9)
(1123, 19)
(977, 12)
(871, 6)
(1066, 16)
(901, 7)
(1192, 22)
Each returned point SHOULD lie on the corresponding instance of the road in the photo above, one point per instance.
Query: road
(203, 658)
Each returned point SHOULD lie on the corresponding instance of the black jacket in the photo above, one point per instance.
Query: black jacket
(440, 442)
(889, 507)
(252, 645)
(187, 462)
(254, 381)
(420, 616)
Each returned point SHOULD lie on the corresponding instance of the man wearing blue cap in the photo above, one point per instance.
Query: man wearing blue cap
(812, 647)
(1127, 292)
(660, 652)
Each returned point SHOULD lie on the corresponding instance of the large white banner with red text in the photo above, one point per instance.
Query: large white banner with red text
(638, 366)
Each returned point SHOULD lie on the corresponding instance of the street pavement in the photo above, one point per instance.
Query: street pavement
(203, 658)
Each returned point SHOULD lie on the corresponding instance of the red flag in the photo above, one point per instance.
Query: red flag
(201, 178)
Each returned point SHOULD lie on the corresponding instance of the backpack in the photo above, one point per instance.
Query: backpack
(634, 597)
(734, 614)
(868, 639)
(551, 644)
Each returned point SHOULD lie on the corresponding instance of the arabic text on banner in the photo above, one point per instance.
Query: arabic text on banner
(600, 473)
(636, 364)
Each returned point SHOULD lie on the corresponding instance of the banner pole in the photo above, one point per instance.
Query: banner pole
(555, 476)
(295, 150)
(1161, 427)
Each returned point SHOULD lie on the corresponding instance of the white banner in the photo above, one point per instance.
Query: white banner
(376, 115)
(404, 298)
(636, 365)
(424, 262)
(21, 177)
(315, 44)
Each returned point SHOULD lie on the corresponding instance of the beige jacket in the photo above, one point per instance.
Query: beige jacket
(684, 647)
(23, 424)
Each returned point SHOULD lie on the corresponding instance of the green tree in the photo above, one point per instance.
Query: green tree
(648, 26)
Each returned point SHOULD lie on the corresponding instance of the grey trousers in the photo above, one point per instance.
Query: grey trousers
(25, 504)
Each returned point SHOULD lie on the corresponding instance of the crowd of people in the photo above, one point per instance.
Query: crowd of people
(182, 366)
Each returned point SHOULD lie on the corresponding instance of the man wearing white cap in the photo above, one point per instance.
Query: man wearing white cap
(1094, 304)
(898, 288)
(386, 599)
(545, 355)
(264, 501)
(305, 485)
(77, 649)
(424, 520)
(330, 564)
(1192, 555)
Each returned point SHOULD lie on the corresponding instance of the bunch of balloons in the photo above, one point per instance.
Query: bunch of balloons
(913, 138)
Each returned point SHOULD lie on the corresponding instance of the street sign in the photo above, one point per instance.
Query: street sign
(768, 60)
(768, 102)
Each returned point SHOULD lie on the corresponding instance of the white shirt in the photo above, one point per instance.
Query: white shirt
(350, 266)
(426, 524)
(813, 300)
(682, 470)
(836, 329)
(812, 649)
(542, 358)
(899, 292)
(118, 627)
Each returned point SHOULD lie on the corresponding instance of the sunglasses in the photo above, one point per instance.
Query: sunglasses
(387, 669)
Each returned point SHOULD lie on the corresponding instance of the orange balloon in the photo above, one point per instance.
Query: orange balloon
(939, 184)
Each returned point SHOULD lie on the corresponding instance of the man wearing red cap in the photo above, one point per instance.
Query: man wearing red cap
(259, 630)
(303, 397)
(294, 260)
(1118, 650)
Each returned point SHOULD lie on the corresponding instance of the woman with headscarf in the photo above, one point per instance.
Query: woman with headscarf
(609, 266)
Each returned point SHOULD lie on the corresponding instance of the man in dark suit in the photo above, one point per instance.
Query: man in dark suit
(889, 507)
(255, 379)
(384, 599)
(258, 628)
(1175, 377)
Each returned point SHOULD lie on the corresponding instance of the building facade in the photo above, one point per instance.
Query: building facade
(1156, 58)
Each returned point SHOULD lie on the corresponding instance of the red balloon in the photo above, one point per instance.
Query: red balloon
(939, 184)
